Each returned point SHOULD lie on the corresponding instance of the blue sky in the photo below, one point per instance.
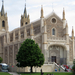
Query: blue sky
(15, 9)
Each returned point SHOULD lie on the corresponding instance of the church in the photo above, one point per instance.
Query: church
(50, 32)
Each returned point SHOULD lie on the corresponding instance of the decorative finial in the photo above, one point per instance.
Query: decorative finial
(72, 33)
(72, 30)
(63, 14)
(42, 11)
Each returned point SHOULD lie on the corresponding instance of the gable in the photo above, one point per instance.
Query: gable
(53, 21)
(53, 15)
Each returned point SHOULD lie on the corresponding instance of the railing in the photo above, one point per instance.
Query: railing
(56, 38)
(59, 66)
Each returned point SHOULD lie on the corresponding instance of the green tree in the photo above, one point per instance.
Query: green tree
(1, 59)
(73, 68)
(29, 55)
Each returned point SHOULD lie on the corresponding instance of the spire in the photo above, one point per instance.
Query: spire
(66, 25)
(63, 14)
(72, 30)
(2, 10)
(72, 33)
(42, 12)
(25, 11)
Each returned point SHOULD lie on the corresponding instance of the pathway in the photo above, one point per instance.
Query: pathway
(13, 73)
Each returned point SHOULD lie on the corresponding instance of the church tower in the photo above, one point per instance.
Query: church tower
(3, 20)
(25, 18)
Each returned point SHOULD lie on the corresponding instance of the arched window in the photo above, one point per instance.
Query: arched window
(53, 31)
(3, 23)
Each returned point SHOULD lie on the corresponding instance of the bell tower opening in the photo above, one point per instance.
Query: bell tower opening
(3, 23)
(26, 23)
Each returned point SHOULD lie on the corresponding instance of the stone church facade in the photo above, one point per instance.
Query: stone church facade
(51, 34)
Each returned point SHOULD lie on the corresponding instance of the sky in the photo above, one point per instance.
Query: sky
(15, 8)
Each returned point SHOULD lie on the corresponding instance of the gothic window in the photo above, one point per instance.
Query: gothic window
(3, 23)
(16, 36)
(22, 34)
(11, 37)
(53, 31)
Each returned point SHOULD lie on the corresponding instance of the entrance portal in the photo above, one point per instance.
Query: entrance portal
(57, 54)
(53, 58)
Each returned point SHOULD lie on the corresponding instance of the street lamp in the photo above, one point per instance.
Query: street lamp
(19, 68)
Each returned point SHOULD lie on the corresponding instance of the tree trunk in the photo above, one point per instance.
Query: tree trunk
(31, 69)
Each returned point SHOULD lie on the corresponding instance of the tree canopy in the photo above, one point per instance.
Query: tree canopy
(29, 55)
(1, 59)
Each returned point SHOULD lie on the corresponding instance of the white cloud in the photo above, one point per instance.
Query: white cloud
(72, 3)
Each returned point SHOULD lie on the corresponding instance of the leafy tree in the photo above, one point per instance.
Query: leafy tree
(29, 55)
(73, 68)
(1, 59)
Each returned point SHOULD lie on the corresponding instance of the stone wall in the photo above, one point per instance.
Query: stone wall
(45, 68)
(71, 50)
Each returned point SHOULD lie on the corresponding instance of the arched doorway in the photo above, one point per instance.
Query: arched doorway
(57, 54)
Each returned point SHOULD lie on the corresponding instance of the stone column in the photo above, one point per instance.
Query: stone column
(68, 57)
(32, 32)
(3, 54)
(18, 47)
(8, 37)
(13, 36)
(0, 25)
(13, 54)
(4, 40)
(44, 42)
(25, 33)
(8, 54)
(19, 34)
(67, 49)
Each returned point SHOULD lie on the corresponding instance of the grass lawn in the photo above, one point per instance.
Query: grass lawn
(4, 73)
(55, 73)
